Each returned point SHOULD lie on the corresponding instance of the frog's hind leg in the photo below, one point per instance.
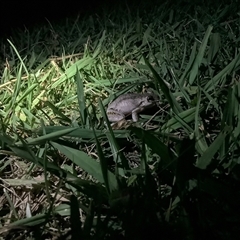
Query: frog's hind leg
(115, 116)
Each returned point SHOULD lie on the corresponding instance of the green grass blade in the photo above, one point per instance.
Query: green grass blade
(100, 45)
(189, 65)
(117, 154)
(171, 99)
(199, 57)
(87, 163)
(58, 112)
(215, 44)
(155, 144)
(208, 155)
(48, 137)
(19, 57)
(110, 186)
(80, 133)
(81, 98)
(181, 120)
(216, 80)
(71, 71)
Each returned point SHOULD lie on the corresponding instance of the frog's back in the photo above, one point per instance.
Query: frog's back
(126, 103)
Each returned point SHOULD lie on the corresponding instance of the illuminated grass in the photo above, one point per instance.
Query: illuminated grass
(178, 179)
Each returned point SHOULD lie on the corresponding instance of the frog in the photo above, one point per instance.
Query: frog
(130, 103)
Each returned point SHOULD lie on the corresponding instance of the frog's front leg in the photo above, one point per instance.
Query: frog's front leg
(135, 113)
(114, 115)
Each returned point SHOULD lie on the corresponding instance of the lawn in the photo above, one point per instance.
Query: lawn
(67, 173)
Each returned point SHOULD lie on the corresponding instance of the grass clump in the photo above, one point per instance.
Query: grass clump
(175, 174)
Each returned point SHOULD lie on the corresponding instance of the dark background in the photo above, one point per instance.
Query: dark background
(19, 14)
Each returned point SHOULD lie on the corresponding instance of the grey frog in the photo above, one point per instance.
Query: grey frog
(130, 103)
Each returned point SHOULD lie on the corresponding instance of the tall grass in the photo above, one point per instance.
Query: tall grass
(67, 174)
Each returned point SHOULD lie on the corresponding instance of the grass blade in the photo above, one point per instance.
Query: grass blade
(208, 155)
(199, 57)
(81, 98)
(171, 99)
(82, 160)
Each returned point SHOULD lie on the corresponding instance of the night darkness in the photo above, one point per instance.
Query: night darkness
(15, 14)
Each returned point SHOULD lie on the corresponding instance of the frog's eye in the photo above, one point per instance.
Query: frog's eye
(150, 98)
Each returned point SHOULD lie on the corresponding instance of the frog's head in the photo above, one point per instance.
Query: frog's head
(148, 100)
